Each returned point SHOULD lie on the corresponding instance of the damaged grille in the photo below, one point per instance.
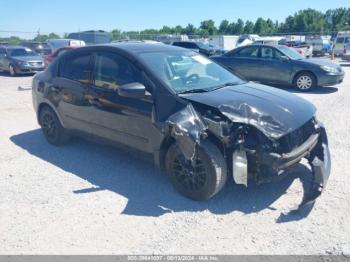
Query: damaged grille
(296, 138)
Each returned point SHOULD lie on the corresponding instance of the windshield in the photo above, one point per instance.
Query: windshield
(184, 71)
(290, 52)
(22, 52)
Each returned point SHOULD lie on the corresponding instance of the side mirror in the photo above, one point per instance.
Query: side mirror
(132, 90)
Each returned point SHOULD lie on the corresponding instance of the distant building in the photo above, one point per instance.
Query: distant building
(227, 42)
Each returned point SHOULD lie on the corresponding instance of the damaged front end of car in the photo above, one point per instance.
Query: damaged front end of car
(255, 145)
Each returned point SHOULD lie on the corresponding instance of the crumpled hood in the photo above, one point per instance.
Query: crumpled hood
(272, 111)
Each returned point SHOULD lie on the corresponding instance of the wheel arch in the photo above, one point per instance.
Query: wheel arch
(46, 104)
(169, 140)
(305, 71)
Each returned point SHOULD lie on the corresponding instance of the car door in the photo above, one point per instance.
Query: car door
(243, 62)
(122, 119)
(275, 66)
(69, 91)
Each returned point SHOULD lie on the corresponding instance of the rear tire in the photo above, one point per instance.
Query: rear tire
(51, 127)
(305, 81)
(204, 180)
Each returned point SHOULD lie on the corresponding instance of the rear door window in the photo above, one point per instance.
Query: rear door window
(248, 52)
(270, 53)
(77, 67)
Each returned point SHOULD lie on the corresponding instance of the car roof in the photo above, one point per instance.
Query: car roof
(14, 47)
(135, 48)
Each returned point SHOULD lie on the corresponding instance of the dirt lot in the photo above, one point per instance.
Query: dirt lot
(85, 198)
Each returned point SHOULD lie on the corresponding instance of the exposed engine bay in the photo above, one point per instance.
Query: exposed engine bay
(256, 146)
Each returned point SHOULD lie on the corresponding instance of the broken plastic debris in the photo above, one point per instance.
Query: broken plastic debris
(187, 128)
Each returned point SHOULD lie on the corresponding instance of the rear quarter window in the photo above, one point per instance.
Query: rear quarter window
(248, 52)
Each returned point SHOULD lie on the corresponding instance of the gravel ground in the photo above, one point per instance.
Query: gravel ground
(85, 198)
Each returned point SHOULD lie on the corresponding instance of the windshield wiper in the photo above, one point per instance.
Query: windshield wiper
(198, 90)
(224, 85)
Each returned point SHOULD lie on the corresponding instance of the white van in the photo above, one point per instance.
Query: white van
(59, 43)
(340, 42)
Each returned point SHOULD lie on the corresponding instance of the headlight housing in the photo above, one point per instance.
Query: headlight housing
(329, 69)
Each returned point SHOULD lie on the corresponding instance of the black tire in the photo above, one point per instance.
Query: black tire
(51, 127)
(202, 182)
(305, 81)
(12, 70)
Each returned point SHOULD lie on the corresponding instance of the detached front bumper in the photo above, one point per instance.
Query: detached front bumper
(320, 162)
(270, 166)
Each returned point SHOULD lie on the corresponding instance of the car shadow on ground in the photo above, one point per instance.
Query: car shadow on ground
(6, 74)
(148, 190)
(318, 90)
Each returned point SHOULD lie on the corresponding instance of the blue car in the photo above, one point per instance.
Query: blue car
(281, 65)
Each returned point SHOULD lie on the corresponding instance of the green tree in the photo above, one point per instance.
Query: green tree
(337, 18)
(260, 26)
(12, 40)
(288, 25)
(41, 38)
(116, 34)
(178, 29)
(232, 28)
(165, 30)
(224, 27)
(203, 33)
(270, 26)
(239, 27)
(249, 27)
(190, 30)
(53, 36)
(208, 26)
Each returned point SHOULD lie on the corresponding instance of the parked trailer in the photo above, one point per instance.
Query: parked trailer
(321, 44)
(227, 42)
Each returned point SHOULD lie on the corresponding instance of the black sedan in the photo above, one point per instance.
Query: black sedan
(200, 47)
(194, 118)
(281, 65)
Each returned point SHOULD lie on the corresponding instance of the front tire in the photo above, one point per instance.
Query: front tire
(51, 127)
(202, 181)
(12, 70)
(305, 82)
